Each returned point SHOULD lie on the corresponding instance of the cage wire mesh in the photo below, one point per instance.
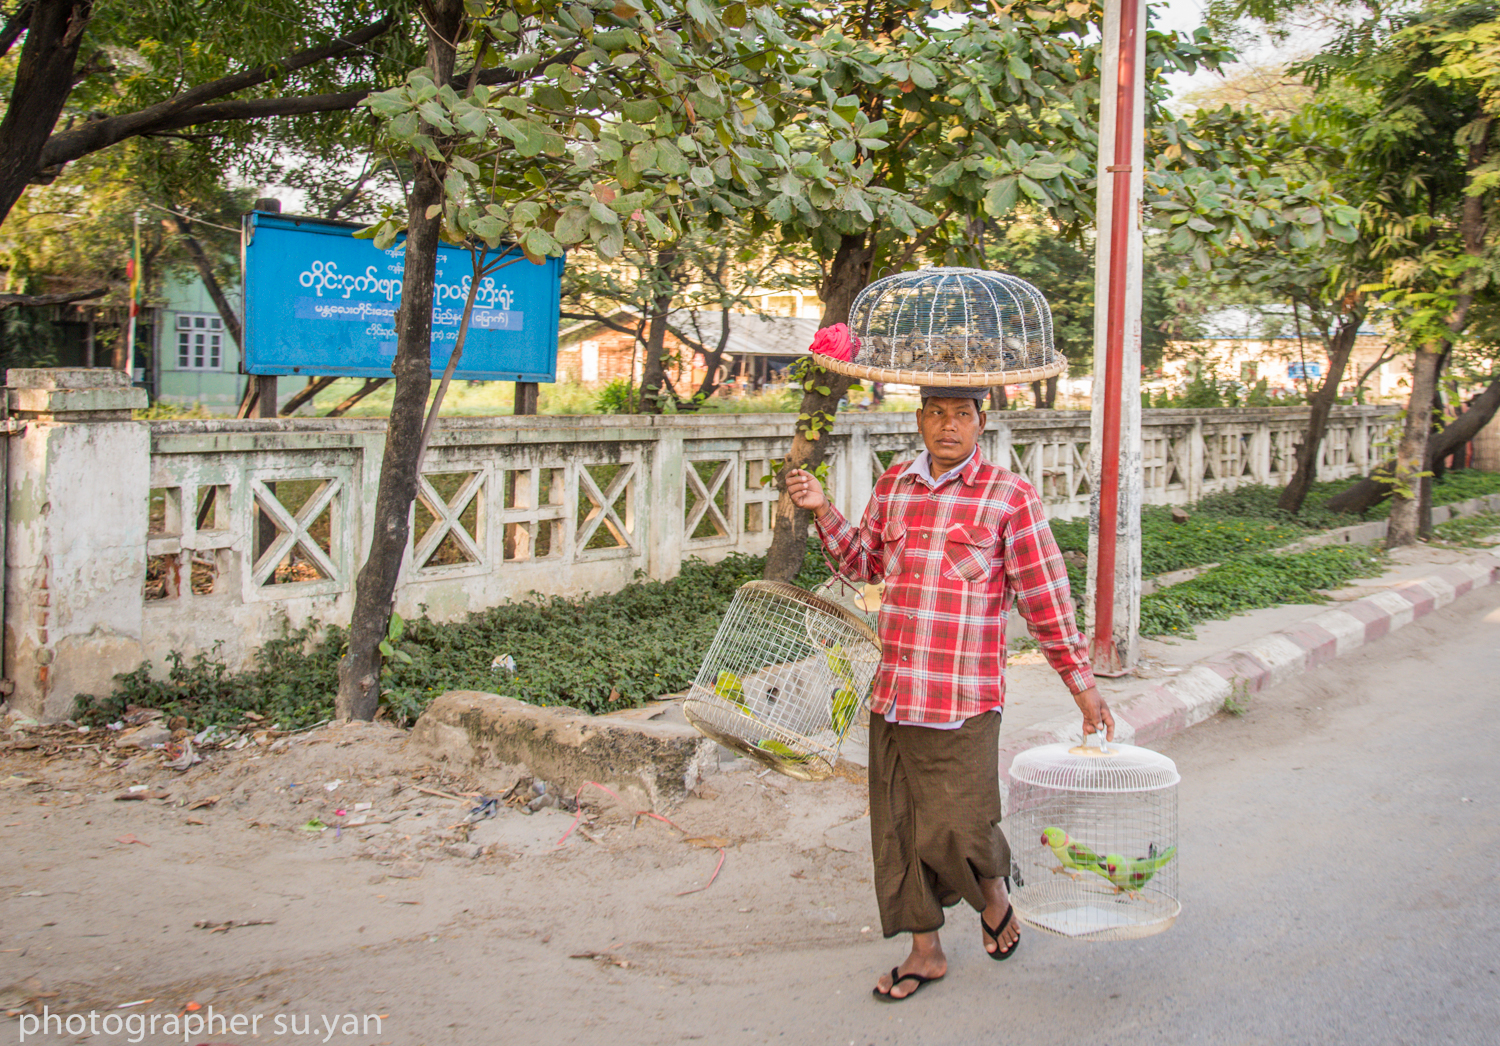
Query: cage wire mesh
(951, 326)
(786, 679)
(1093, 834)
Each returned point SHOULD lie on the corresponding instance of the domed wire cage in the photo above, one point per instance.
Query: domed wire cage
(1093, 834)
(951, 326)
(786, 680)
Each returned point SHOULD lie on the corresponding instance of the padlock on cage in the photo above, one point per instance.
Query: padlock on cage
(1093, 834)
(950, 327)
(786, 679)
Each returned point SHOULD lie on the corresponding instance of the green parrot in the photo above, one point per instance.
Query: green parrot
(1075, 857)
(1129, 874)
(785, 751)
(840, 665)
(845, 705)
(730, 688)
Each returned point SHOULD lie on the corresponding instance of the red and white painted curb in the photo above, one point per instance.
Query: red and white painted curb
(1164, 707)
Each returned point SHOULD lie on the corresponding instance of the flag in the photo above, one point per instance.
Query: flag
(133, 273)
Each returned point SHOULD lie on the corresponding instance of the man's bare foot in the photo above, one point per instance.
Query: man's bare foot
(997, 904)
(926, 959)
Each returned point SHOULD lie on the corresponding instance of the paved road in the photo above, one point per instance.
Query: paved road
(1340, 850)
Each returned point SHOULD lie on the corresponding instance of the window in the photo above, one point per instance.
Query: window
(200, 339)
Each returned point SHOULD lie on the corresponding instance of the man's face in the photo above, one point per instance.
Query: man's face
(950, 428)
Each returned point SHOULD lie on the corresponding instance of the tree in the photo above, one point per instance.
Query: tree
(114, 72)
(1410, 92)
(616, 121)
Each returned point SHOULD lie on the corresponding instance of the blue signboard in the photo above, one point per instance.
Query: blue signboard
(319, 301)
(1304, 371)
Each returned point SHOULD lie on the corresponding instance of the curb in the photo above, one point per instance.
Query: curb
(1199, 691)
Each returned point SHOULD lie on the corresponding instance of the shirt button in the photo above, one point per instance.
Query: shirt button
(905, 658)
(911, 617)
(919, 575)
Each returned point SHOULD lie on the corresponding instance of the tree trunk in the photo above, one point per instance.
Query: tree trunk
(846, 277)
(181, 228)
(370, 385)
(43, 81)
(1317, 423)
(712, 359)
(305, 394)
(653, 373)
(375, 588)
(1411, 452)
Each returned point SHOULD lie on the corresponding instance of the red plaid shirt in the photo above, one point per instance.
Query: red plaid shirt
(955, 560)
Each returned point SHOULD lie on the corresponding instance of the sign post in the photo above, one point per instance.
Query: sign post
(318, 300)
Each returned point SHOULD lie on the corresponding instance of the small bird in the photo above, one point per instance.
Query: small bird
(785, 751)
(1075, 857)
(845, 704)
(839, 663)
(1129, 874)
(729, 688)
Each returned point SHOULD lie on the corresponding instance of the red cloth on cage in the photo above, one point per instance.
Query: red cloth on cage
(956, 559)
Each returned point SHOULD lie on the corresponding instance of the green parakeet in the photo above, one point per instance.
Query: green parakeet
(840, 664)
(786, 752)
(845, 705)
(1075, 857)
(730, 688)
(1129, 874)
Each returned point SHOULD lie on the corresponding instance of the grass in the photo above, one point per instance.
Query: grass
(1469, 531)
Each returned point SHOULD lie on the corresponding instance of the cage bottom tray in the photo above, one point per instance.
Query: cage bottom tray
(804, 767)
(1083, 912)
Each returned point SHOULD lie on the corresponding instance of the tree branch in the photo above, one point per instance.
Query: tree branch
(94, 135)
(15, 25)
(8, 301)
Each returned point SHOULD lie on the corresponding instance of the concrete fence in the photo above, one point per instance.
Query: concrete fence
(129, 539)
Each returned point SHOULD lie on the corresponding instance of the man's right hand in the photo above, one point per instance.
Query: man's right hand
(806, 491)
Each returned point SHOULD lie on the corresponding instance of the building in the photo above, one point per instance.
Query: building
(1249, 345)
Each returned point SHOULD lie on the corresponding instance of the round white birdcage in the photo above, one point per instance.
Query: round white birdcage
(1093, 835)
(786, 680)
(951, 326)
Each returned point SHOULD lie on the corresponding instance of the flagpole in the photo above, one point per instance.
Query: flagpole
(135, 305)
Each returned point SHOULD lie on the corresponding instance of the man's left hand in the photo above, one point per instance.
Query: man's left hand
(1096, 713)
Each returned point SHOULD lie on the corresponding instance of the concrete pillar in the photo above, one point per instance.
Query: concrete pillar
(1127, 579)
(666, 501)
(859, 475)
(76, 518)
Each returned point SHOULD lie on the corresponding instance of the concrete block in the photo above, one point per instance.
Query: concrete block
(1281, 657)
(1400, 610)
(648, 762)
(1347, 630)
(1202, 691)
(1319, 645)
(1155, 713)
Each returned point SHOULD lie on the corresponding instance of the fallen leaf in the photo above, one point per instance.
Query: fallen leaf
(707, 842)
(193, 820)
(127, 796)
(198, 804)
(128, 839)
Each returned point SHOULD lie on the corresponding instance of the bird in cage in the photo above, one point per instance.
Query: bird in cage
(784, 750)
(1075, 857)
(1130, 874)
(843, 708)
(731, 688)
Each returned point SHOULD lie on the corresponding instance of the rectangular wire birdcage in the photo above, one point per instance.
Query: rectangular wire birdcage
(785, 679)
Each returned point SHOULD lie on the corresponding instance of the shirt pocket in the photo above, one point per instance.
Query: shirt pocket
(969, 553)
(893, 540)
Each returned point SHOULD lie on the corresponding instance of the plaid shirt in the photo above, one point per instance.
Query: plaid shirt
(955, 559)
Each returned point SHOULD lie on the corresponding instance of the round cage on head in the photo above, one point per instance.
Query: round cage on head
(951, 326)
(1093, 836)
(785, 680)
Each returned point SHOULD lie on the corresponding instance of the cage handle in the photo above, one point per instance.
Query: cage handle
(1094, 744)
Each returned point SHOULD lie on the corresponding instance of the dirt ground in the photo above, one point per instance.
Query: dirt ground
(107, 898)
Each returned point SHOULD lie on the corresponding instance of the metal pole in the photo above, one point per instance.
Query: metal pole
(1120, 321)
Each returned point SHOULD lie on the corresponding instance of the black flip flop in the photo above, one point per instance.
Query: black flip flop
(896, 978)
(994, 935)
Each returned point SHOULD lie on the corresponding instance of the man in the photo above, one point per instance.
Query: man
(959, 541)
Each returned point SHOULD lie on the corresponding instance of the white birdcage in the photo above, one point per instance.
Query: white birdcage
(1093, 835)
(786, 679)
(951, 326)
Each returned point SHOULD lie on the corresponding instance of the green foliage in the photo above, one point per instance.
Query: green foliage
(1469, 531)
(291, 683)
(618, 397)
(1204, 538)
(600, 654)
(1255, 581)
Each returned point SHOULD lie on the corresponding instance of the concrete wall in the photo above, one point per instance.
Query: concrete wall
(129, 540)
